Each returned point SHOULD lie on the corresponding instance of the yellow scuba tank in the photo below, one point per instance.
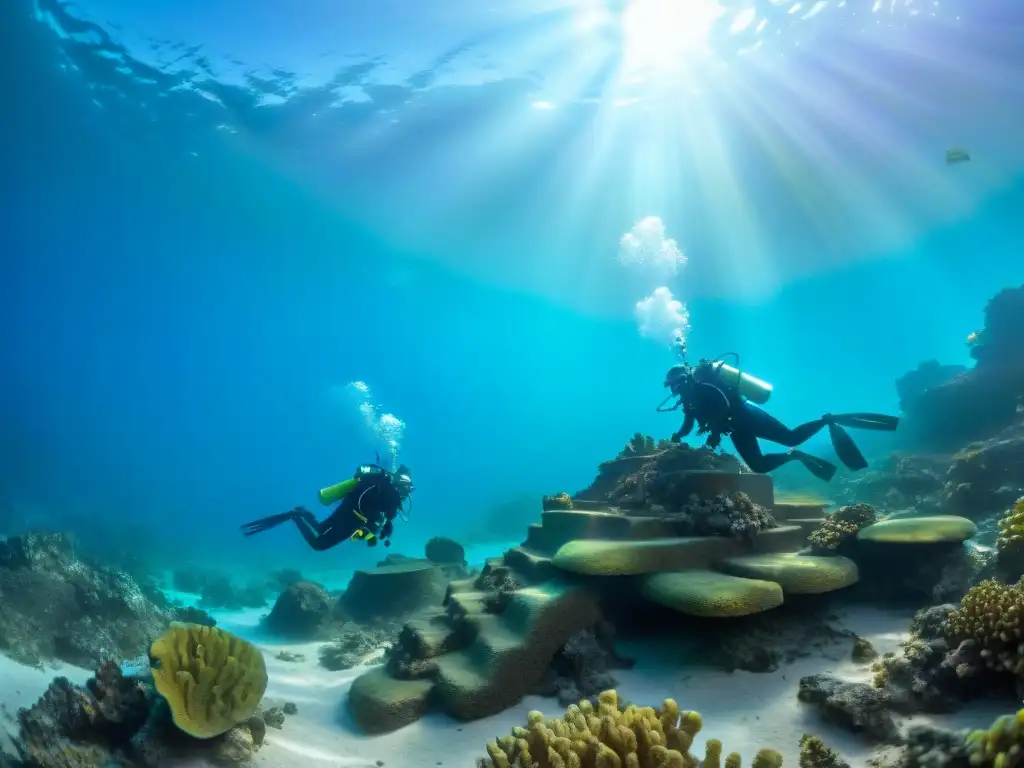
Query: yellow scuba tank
(336, 492)
(752, 388)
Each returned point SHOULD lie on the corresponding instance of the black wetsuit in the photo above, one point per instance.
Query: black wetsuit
(720, 411)
(370, 506)
(374, 498)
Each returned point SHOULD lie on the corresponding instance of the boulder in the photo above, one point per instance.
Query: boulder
(301, 612)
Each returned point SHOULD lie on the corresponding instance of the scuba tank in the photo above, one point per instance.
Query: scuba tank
(336, 492)
(718, 373)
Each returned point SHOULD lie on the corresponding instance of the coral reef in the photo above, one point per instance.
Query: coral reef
(814, 753)
(987, 477)
(929, 746)
(900, 483)
(916, 559)
(641, 445)
(1010, 544)
(211, 679)
(727, 514)
(583, 668)
(931, 674)
(54, 606)
(841, 526)
(115, 720)
(609, 735)
(354, 645)
(1001, 745)
(560, 500)
(645, 480)
(989, 619)
(856, 706)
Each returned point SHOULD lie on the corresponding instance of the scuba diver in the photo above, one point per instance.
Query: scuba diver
(370, 501)
(723, 400)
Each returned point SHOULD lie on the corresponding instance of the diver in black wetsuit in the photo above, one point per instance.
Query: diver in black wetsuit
(370, 501)
(722, 400)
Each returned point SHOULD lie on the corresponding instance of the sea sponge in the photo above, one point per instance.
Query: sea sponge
(840, 526)
(1001, 746)
(211, 679)
(990, 615)
(610, 737)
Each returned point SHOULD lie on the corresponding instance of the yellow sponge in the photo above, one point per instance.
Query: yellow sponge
(211, 679)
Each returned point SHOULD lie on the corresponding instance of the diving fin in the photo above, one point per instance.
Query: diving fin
(266, 523)
(821, 469)
(876, 421)
(846, 449)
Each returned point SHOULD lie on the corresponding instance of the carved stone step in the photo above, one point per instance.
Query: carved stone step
(808, 526)
(512, 650)
(533, 566)
(706, 484)
(785, 511)
(597, 557)
(565, 525)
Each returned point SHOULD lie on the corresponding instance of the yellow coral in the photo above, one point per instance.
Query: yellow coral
(841, 525)
(560, 501)
(814, 753)
(211, 679)
(1000, 746)
(1011, 530)
(610, 737)
(990, 614)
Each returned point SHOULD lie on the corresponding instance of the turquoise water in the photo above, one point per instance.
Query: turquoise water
(218, 216)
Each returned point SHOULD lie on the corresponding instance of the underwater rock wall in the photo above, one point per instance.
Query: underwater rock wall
(54, 606)
(944, 409)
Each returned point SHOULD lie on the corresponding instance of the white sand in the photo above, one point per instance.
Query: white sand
(744, 710)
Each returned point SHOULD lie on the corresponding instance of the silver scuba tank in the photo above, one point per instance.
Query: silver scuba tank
(723, 375)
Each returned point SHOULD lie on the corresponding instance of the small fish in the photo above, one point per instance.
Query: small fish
(956, 155)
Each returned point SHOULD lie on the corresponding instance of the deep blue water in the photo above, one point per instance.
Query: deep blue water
(190, 274)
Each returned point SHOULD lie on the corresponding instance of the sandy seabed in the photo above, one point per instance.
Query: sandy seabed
(744, 710)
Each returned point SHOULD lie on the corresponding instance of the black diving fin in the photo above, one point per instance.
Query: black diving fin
(821, 469)
(266, 523)
(846, 449)
(876, 421)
